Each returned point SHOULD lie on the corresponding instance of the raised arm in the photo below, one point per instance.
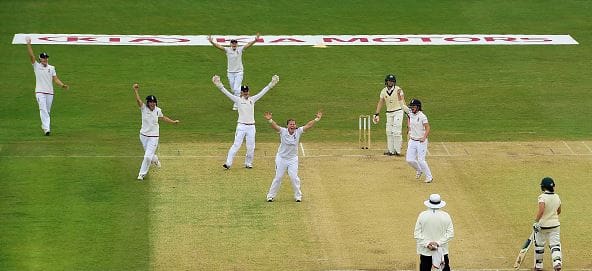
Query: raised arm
(136, 87)
(30, 50)
(274, 80)
(214, 43)
(220, 86)
(251, 42)
(311, 123)
(267, 116)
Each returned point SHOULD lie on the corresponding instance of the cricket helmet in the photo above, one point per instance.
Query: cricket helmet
(43, 55)
(548, 184)
(151, 98)
(390, 77)
(415, 102)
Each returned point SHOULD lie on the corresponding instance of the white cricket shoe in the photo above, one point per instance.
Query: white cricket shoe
(417, 175)
(428, 180)
(157, 163)
(269, 199)
(141, 177)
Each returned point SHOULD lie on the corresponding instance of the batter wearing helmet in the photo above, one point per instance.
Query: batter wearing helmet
(245, 127)
(45, 76)
(417, 147)
(394, 114)
(546, 225)
(150, 131)
(287, 154)
(234, 55)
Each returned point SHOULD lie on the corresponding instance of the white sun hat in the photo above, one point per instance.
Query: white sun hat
(434, 202)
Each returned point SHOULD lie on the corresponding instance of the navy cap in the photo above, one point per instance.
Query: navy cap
(43, 55)
(245, 88)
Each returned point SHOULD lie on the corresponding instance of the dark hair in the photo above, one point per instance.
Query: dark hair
(245, 88)
(233, 41)
(288, 121)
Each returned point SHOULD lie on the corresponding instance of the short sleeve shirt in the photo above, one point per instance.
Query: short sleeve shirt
(416, 124)
(289, 142)
(390, 98)
(235, 58)
(44, 78)
(150, 121)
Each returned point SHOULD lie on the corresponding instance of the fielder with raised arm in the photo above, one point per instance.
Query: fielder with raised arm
(45, 76)
(417, 146)
(150, 131)
(287, 154)
(394, 114)
(245, 127)
(234, 55)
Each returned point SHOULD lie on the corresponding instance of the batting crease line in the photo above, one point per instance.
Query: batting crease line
(443, 145)
(565, 143)
(302, 147)
(586, 146)
(218, 156)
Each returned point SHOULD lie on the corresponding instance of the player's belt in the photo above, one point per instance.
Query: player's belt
(147, 135)
(247, 123)
(547, 228)
(393, 111)
(415, 139)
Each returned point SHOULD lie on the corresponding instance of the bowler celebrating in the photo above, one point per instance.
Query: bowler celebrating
(287, 155)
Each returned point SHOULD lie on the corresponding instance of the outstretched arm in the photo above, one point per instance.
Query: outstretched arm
(167, 119)
(274, 80)
(311, 123)
(267, 116)
(220, 86)
(136, 87)
(60, 83)
(214, 43)
(401, 100)
(251, 42)
(30, 50)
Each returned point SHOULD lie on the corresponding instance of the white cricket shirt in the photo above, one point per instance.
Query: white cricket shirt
(245, 107)
(416, 122)
(150, 126)
(235, 58)
(433, 225)
(43, 78)
(289, 142)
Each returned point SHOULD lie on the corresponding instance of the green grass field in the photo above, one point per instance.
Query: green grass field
(71, 202)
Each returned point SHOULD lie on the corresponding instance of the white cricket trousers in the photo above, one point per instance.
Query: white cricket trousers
(540, 238)
(44, 101)
(394, 125)
(416, 154)
(150, 145)
(281, 165)
(243, 131)
(235, 79)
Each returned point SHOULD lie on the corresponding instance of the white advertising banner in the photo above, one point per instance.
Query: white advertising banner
(296, 40)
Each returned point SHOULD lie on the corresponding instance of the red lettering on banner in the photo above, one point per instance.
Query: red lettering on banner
(390, 39)
(340, 40)
(426, 39)
(286, 40)
(157, 40)
(536, 39)
(76, 39)
(461, 39)
(114, 39)
(494, 39)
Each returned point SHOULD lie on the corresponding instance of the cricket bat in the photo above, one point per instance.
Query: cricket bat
(523, 251)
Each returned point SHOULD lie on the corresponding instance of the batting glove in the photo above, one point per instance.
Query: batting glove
(536, 227)
(375, 119)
